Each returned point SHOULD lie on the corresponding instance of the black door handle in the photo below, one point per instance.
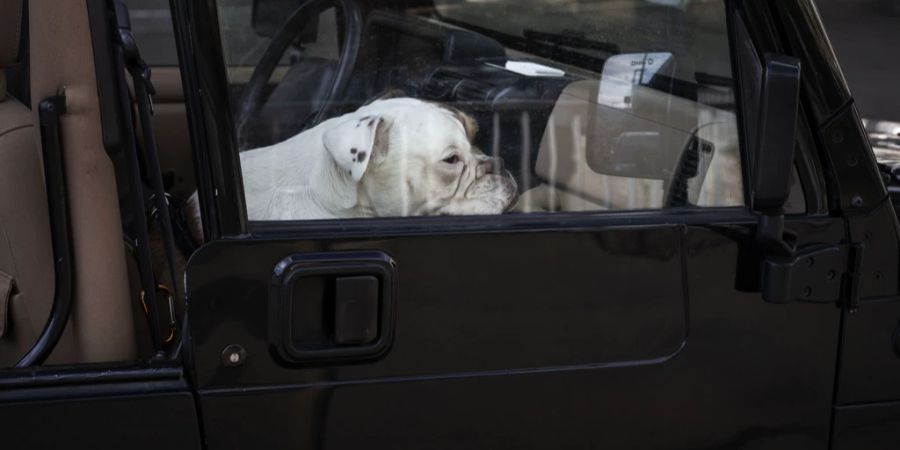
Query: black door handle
(355, 310)
(332, 307)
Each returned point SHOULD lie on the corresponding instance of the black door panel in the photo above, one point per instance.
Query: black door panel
(870, 354)
(867, 426)
(878, 232)
(608, 336)
(870, 362)
(464, 303)
(671, 406)
(137, 421)
(532, 340)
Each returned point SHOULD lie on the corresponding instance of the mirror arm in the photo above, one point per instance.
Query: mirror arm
(772, 237)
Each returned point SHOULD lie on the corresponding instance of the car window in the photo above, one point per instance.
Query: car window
(482, 107)
(249, 30)
(151, 23)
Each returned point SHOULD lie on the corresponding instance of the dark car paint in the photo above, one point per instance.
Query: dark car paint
(867, 426)
(500, 338)
(551, 350)
(98, 406)
(113, 421)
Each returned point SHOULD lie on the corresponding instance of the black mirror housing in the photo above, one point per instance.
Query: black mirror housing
(779, 105)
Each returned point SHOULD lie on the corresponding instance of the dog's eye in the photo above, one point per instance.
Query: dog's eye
(451, 159)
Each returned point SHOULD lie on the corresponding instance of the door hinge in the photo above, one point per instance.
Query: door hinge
(815, 274)
(812, 274)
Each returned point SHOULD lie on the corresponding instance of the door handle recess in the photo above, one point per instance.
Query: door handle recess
(332, 307)
(355, 310)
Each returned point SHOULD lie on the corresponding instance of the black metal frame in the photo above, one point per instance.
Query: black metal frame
(44, 377)
(210, 120)
(854, 183)
(50, 110)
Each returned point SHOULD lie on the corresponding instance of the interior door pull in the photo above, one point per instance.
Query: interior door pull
(355, 310)
(327, 307)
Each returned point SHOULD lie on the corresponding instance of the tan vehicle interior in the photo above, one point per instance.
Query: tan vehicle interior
(171, 129)
(106, 322)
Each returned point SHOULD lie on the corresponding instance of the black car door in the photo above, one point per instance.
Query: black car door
(566, 329)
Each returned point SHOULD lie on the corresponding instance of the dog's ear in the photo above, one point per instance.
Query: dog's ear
(355, 143)
(469, 124)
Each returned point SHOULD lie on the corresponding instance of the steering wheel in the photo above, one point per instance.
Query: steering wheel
(255, 93)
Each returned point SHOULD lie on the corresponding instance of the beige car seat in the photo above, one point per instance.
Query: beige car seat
(100, 326)
(26, 257)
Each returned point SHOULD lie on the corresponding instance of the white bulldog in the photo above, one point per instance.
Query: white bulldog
(393, 157)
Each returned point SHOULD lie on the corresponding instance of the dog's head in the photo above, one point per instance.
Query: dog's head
(411, 157)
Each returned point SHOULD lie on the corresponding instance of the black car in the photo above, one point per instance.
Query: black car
(703, 252)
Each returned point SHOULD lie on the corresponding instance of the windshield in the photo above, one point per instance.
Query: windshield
(594, 29)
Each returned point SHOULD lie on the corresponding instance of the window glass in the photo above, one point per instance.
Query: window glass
(151, 23)
(481, 107)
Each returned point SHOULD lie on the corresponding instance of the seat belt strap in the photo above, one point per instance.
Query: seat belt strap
(143, 90)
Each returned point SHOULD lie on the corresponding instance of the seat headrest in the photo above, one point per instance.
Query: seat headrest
(11, 31)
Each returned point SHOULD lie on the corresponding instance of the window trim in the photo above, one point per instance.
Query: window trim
(377, 227)
(809, 168)
(220, 184)
(204, 79)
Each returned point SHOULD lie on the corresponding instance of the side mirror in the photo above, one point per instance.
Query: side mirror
(774, 157)
(784, 277)
(622, 72)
